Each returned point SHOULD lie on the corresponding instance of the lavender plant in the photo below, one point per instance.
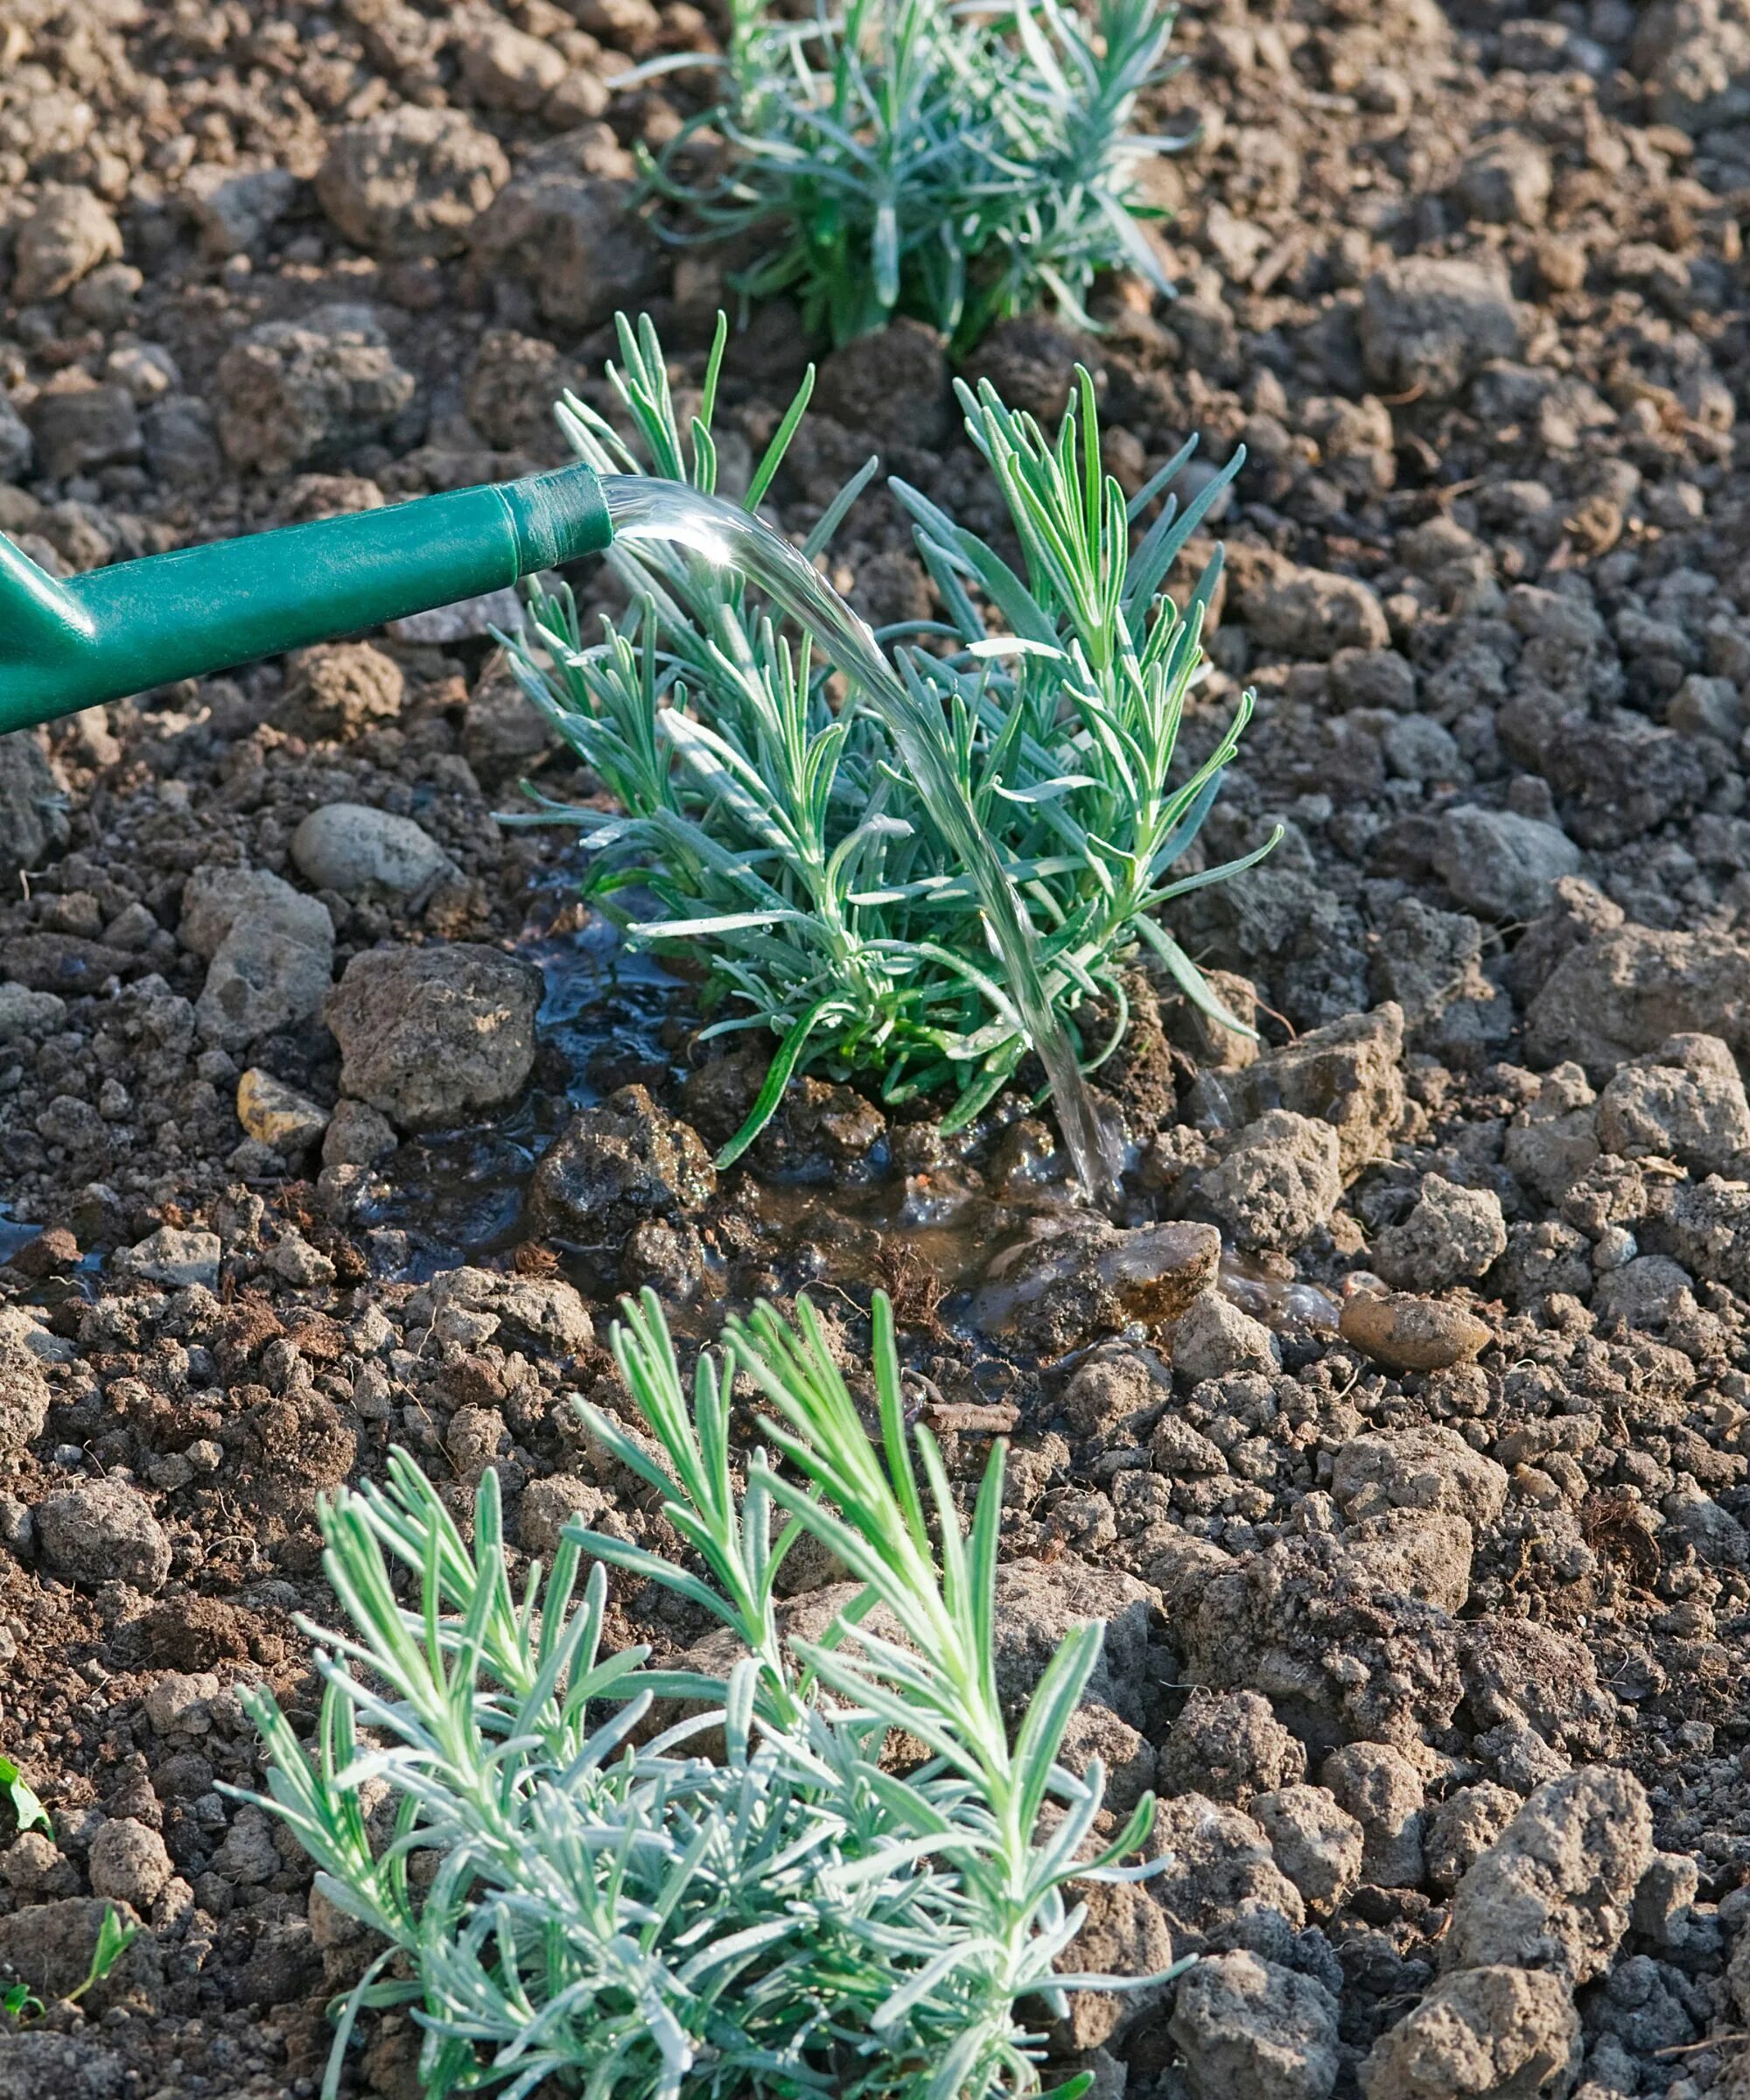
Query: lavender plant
(564, 1895)
(960, 162)
(780, 837)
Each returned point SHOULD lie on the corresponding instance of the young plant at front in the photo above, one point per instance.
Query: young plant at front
(565, 1894)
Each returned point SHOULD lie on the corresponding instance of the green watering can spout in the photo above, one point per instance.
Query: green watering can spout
(125, 629)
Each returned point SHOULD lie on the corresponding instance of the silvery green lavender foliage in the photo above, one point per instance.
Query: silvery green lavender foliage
(958, 162)
(565, 1892)
(778, 836)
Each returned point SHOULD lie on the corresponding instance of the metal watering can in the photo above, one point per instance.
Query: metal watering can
(122, 630)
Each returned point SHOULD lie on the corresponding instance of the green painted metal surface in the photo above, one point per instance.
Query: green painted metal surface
(125, 629)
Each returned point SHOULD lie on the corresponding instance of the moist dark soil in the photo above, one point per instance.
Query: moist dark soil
(1397, 1420)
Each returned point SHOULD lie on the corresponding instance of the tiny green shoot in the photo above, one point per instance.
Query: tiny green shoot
(114, 1939)
(28, 1812)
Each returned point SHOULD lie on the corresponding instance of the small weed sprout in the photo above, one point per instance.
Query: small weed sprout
(567, 1891)
(959, 163)
(20, 2003)
(780, 840)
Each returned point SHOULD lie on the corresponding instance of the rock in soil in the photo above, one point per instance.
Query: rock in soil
(1412, 1333)
(433, 1036)
(102, 1531)
(1511, 2033)
(1554, 1890)
(1247, 2026)
(1074, 1277)
(617, 1164)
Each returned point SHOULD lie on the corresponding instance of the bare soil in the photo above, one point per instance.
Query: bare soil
(1434, 1509)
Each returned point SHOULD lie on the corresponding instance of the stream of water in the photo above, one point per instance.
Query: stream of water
(728, 537)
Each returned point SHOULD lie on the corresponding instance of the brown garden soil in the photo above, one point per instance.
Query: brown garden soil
(1427, 1524)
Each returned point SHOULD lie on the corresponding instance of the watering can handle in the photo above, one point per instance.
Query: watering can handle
(124, 629)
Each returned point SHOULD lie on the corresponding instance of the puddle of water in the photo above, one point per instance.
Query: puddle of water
(1282, 1302)
(461, 1194)
(613, 1014)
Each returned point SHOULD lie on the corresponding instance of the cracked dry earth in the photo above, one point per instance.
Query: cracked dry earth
(1419, 1520)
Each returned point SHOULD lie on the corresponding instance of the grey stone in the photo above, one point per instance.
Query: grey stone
(544, 1312)
(1685, 1102)
(1330, 1635)
(1379, 1786)
(33, 808)
(358, 1134)
(547, 1506)
(1427, 1468)
(410, 182)
(1347, 1074)
(306, 392)
(1221, 1884)
(1625, 991)
(214, 898)
(1251, 2027)
(350, 847)
(1530, 1677)
(1452, 1236)
(564, 226)
(69, 235)
(17, 447)
(1462, 1828)
(1229, 1746)
(1428, 322)
(25, 1397)
(1696, 56)
(1552, 1141)
(235, 209)
(271, 951)
(173, 1257)
(1503, 866)
(1707, 707)
(504, 733)
(128, 1863)
(1508, 181)
(432, 1036)
(1278, 1182)
(1124, 1935)
(1707, 1227)
(1216, 1338)
(1037, 1602)
(1488, 2033)
(102, 1531)
(1554, 1891)
(180, 436)
(1316, 1843)
(79, 427)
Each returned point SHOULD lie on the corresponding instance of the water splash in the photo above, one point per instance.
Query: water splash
(728, 537)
